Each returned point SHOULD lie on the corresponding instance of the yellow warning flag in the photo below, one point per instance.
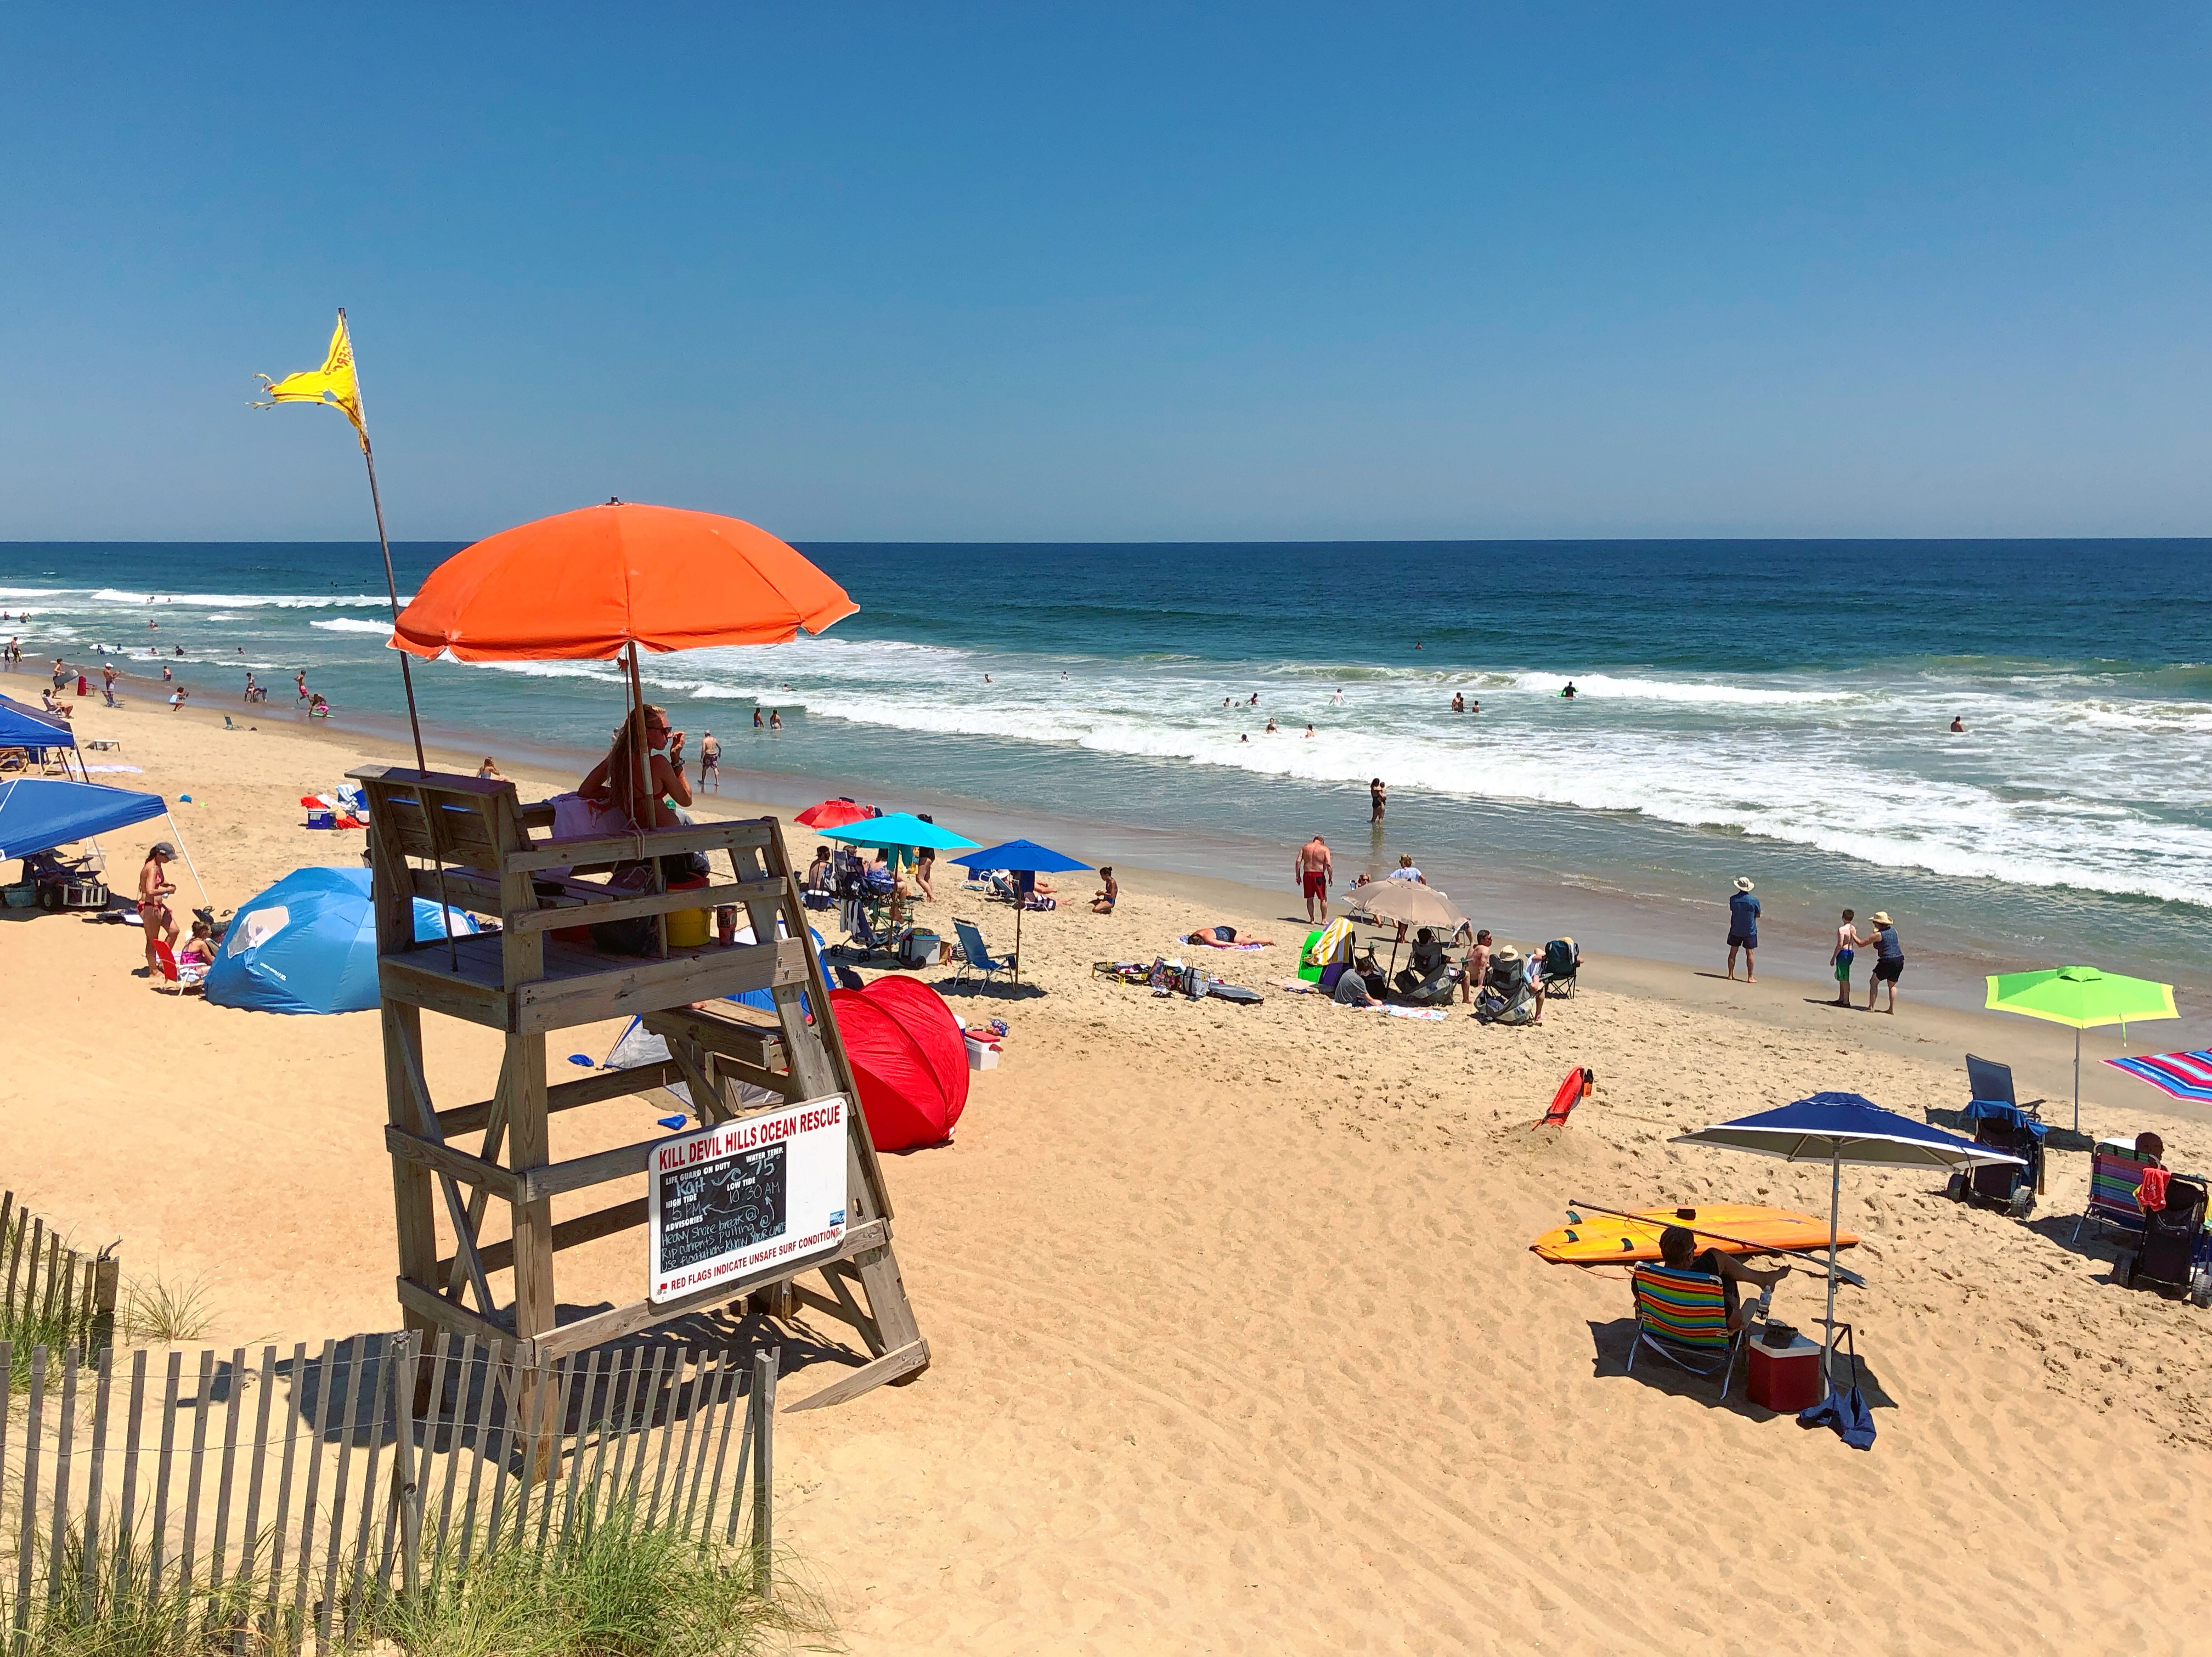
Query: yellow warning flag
(333, 385)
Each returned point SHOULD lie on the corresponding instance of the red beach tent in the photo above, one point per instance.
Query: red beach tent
(909, 1060)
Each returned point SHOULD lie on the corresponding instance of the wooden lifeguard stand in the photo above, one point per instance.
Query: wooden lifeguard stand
(524, 982)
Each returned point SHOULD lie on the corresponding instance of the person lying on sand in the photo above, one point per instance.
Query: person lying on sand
(1678, 1246)
(1224, 937)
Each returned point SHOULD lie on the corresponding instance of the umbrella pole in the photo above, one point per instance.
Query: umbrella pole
(644, 798)
(1835, 1201)
(2077, 1081)
(187, 851)
(1020, 904)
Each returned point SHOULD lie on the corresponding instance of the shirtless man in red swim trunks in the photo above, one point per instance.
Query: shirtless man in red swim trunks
(1312, 870)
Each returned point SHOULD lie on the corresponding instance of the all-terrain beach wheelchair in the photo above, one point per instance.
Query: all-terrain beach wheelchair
(2013, 1187)
(2173, 1253)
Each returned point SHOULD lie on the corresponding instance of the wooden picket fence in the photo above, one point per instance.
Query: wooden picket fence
(54, 1296)
(282, 1501)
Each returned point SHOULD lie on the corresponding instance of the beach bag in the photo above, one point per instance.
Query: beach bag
(631, 936)
(1846, 1411)
(1235, 992)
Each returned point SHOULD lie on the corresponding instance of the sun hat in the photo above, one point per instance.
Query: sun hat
(1504, 952)
(1882, 918)
(1743, 882)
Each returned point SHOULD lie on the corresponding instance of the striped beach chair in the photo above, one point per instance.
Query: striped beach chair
(1683, 1317)
(2115, 1171)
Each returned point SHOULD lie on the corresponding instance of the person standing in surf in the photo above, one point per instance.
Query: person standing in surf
(1888, 960)
(1377, 797)
(1848, 943)
(1311, 869)
(1743, 929)
(710, 761)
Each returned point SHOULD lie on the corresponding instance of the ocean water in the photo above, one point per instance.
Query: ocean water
(1778, 709)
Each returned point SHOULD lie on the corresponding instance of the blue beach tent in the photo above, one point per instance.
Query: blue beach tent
(309, 944)
(39, 813)
(30, 727)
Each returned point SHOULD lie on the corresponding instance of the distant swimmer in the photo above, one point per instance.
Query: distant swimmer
(986, 678)
(1270, 729)
(1569, 693)
(1224, 701)
(1309, 730)
(1958, 724)
(1377, 797)
(1416, 644)
(1244, 736)
(1459, 702)
(1255, 702)
(1337, 700)
(759, 722)
(774, 719)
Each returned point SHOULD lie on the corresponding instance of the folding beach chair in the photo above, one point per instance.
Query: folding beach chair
(1683, 1317)
(976, 955)
(2115, 1171)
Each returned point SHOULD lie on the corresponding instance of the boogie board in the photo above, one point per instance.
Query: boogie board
(1599, 1239)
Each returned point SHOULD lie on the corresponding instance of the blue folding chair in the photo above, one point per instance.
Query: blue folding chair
(975, 956)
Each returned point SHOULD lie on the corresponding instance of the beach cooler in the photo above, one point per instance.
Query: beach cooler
(321, 816)
(1784, 1379)
(982, 1053)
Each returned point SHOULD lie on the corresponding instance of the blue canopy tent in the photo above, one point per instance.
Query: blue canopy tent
(32, 728)
(308, 945)
(1024, 856)
(1836, 1128)
(37, 814)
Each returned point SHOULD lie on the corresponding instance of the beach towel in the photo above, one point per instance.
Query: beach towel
(1321, 948)
(1433, 1013)
(1846, 1411)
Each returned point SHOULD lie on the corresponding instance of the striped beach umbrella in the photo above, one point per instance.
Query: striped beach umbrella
(2178, 1075)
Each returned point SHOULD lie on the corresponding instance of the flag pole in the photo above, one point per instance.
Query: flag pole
(391, 582)
(406, 674)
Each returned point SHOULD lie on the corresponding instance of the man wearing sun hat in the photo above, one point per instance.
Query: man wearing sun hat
(1743, 928)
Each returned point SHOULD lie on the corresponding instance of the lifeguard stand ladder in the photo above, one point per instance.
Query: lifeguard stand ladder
(524, 982)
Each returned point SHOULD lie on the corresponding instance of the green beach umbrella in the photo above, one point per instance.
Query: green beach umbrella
(2082, 998)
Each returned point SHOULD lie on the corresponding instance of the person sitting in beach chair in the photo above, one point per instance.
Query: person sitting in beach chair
(1431, 976)
(1690, 1306)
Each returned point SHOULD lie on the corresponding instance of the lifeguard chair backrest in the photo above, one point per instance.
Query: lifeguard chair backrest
(469, 821)
(1688, 1307)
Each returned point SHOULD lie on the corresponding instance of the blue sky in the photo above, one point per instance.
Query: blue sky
(954, 272)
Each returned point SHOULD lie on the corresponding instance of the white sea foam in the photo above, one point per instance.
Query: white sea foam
(348, 624)
(1602, 686)
(233, 600)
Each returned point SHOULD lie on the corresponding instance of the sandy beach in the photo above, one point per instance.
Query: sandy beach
(1237, 1343)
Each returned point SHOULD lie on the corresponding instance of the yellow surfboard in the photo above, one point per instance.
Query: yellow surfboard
(1751, 1229)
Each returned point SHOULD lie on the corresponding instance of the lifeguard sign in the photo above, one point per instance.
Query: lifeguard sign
(730, 1201)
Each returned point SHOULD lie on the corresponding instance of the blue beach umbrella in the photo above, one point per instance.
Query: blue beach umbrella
(308, 945)
(1022, 857)
(1836, 1128)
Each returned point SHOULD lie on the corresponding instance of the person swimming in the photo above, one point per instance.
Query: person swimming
(1568, 694)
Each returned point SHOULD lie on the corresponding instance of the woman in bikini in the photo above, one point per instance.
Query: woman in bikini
(1224, 937)
(612, 785)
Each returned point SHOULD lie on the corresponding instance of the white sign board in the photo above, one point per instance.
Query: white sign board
(761, 1193)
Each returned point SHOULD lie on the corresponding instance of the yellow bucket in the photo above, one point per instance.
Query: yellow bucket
(687, 929)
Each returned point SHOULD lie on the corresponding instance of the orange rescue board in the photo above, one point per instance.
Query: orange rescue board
(1752, 1229)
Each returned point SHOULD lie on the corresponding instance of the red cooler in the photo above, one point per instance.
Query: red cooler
(1783, 1379)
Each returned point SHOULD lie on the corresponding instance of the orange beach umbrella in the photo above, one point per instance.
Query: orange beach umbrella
(584, 586)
